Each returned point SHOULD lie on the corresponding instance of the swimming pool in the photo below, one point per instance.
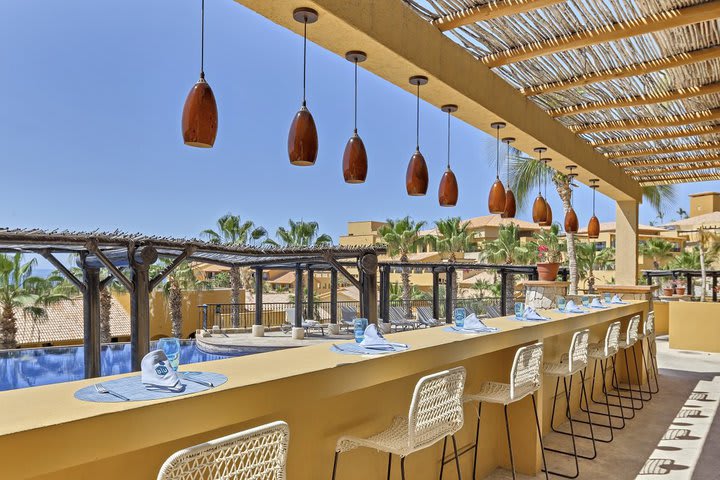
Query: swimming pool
(32, 367)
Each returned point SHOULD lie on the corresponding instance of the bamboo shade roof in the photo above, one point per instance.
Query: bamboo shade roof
(637, 79)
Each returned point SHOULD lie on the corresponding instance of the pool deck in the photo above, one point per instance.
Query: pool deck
(232, 344)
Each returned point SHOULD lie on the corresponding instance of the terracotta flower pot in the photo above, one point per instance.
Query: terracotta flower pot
(680, 290)
(548, 271)
(667, 292)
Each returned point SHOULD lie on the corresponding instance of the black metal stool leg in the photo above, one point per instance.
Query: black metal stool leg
(607, 405)
(639, 380)
(477, 438)
(402, 468)
(457, 457)
(442, 463)
(574, 453)
(647, 370)
(335, 462)
(539, 431)
(622, 409)
(653, 363)
(507, 429)
(389, 465)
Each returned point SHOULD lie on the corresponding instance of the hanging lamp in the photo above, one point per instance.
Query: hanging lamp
(303, 138)
(548, 210)
(355, 156)
(593, 228)
(510, 204)
(416, 177)
(571, 219)
(496, 199)
(200, 116)
(448, 191)
(539, 210)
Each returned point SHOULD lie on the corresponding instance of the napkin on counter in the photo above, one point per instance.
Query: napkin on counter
(375, 340)
(616, 299)
(531, 314)
(596, 303)
(570, 307)
(157, 374)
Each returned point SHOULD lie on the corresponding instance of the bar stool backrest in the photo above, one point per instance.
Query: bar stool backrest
(525, 373)
(612, 337)
(578, 354)
(649, 325)
(437, 407)
(260, 452)
(632, 329)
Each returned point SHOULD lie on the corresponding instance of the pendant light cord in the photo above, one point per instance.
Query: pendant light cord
(356, 93)
(202, 39)
(497, 152)
(304, 57)
(417, 118)
(448, 141)
(507, 159)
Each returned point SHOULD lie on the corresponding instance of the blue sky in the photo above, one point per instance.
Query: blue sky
(92, 94)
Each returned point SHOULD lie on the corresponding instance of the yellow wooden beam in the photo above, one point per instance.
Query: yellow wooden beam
(661, 151)
(650, 99)
(640, 26)
(678, 60)
(500, 8)
(696, 131)
(670, 121)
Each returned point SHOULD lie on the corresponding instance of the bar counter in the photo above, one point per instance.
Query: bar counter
(46, 433)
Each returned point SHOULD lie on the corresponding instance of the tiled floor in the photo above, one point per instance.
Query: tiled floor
(675, 437)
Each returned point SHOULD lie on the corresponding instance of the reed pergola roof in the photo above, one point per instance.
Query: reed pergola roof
(638, 79)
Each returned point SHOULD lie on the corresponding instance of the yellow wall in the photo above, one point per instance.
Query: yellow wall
(704, 203)
(160, 324)
(695, 326)
(662, 317)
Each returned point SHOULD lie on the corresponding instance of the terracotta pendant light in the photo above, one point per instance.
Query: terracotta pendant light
(496, 199)
(448, 191)
(548, 210)
(510, 204)
(303, 137)
(571, 219)
(416, 177)
(593, 228)
(200, 116)
(355, 156)
(539, 210)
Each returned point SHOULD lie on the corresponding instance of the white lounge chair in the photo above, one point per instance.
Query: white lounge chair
(308, 325)
(425, 316)
(348, 315)
(398, 320)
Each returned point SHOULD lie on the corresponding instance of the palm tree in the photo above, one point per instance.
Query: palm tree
(527, 172)
(233, 231)
(42, 293)
(20, 289)
(589, 259)
(181, 279)
(658, 249)
(682, 213)
(300, 234)
(506, 248)
(396, 293)
(402, 237)
(453, 238)
(708, 247)
(689, 260)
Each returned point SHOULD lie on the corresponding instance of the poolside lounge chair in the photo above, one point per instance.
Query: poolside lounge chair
(308, 325)
(398, 320)
(425, 316)
(348, 315)
(493, 311)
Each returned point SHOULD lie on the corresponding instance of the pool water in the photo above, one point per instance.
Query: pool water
(32, 367)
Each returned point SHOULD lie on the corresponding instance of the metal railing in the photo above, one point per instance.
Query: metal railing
(275, 314)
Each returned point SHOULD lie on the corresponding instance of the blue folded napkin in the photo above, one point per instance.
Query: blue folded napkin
(531, 314)
(596, 303)
(616, 299)
(570, 307)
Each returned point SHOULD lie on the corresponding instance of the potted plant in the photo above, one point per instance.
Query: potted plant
(549, 253)
(667, 289)
(680, 287)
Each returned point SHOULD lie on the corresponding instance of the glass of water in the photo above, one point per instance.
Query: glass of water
(585, 301)
(171, 347)
(607, 297)
(459, 315)
(360, 326)
(519, 309)
(561, 303)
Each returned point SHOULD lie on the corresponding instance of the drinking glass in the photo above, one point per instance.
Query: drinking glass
(519, 309)
(459, 315)
(360, 326)
(607, 297)
(585, 301)
(561, 303)
(171, 347)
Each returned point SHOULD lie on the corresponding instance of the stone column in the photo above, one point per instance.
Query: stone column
(542, 294)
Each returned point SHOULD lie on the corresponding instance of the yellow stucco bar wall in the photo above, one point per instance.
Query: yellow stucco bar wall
(48, 434)
(694, 326)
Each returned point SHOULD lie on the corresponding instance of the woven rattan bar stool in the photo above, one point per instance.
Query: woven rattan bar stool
(524, 381)
(260, 452)
(604, 353)
(436, 412)
(571, 363)
(627, 342)
(648, 336)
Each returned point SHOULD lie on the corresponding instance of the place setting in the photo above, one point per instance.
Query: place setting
(468, 324)
(159, 379)
(528, 313)
(568, 306)
(369, 340)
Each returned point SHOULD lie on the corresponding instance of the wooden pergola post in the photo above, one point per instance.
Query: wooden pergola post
(368, 287)
(435, 294)
(448, 294)
(334, 328)
(91, 322)
(140, 262)
(310, 294)
(258, 329)
(298, 332)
